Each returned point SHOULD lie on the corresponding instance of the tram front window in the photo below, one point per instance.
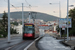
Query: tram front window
(29, 29)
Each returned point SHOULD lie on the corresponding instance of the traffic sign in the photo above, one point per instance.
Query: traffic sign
(63, 27)
(63, 22)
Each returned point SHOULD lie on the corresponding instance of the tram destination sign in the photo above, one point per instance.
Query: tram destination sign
(28, 25)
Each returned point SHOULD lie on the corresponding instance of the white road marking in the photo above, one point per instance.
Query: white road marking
(12, 46)
(31, 43)
(8, 48)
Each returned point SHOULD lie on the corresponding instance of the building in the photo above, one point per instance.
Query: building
(17, 28)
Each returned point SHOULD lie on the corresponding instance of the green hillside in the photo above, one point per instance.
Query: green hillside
(45, 17)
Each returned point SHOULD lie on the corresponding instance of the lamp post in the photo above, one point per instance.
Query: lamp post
(59, 13)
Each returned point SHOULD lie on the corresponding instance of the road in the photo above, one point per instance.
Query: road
(50, 43)
(16, 43)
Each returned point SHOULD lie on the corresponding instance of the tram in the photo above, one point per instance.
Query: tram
(30, 31)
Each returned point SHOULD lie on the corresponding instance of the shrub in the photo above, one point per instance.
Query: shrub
(72, 32)
(3, 33)
(64, 35)
(1, 36)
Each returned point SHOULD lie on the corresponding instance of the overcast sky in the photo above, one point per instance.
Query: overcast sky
(38, 6)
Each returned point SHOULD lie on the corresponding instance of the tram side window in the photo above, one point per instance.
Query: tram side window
(23, 28)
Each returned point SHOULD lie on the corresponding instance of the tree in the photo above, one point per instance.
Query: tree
(0, 25)
(5, 22)
(58, 29)
(4, 25)
(14, 23)
(72, 15)
(13, 31)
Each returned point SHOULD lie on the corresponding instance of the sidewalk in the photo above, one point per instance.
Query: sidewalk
(4, 43)
(70, 43)
(50, 43)
(12, 35)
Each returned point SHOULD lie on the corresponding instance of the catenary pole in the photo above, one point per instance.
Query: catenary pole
(60, 15)
(29, 16)
(22, 17)
(8, 20)
(67, 20)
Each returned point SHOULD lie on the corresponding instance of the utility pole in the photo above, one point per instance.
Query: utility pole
(29, 16)
(8, 21)
(67, 20)
(60, 15)
(30, 13)
(22, 17)
(33, 14)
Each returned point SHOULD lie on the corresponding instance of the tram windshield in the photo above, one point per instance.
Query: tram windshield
(29, 29)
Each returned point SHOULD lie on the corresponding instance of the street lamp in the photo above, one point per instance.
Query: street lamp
(59, 12)
(71, 6)
(59, 8)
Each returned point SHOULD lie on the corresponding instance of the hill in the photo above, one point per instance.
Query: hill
(45, 17)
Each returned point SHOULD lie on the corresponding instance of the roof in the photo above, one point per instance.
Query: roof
(43, 25)
(29, 23)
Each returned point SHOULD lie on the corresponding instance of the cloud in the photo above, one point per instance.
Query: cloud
(3, 9)
(43, 6)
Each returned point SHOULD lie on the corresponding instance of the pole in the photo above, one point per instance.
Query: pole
(35, 18)
(67, 19)
(60, 15)
(59, 9)
(8, 20)
(29, 16)
(64, 34)
(22, 17)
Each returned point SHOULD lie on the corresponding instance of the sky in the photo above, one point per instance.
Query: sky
(38, 6)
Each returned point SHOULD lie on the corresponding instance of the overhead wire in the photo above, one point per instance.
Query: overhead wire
(28, 4)
(11, 5)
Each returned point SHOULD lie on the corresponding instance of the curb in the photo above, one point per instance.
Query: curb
(13, 45)
(37, 43)
(30, 45)
(65, 44)
(3, 38)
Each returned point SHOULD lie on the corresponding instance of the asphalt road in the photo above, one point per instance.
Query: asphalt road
(16, 43)
(22, 45)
